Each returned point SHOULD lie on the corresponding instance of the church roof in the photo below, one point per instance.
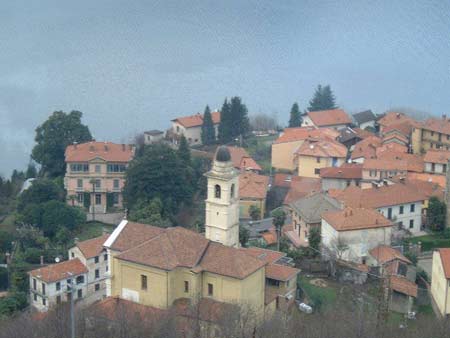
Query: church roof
(223, 154)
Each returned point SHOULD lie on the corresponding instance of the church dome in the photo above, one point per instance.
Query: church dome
(222, 154)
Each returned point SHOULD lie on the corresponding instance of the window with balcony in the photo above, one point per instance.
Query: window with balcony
(79, 183)
(98, 184)
(35, 297)
(79, 167)
(80, 197)
(98, 199)
(44, 301)
(116, 184)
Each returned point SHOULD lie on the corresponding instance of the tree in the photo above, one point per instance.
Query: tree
(263, 122)
(208, 131)
(254, 212)
(295, 119)
(279, 217)
(149, 213)
(323, 99)
(436, 213)
(42, 190)
(314, 240)
(31, 171)
(225, 134)
(159, 172)
(244, 236)
(53, 136)
(184, 152)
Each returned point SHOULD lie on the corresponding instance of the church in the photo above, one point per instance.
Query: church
(159, 267)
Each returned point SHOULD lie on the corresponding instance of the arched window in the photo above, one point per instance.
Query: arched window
(232, 191)
(217, 191)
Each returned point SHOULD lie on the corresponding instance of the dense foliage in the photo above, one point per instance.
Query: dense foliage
(234, 121)
(436, 213)
(323, 99)
(295, 119)
(208, 131)
(53, 136)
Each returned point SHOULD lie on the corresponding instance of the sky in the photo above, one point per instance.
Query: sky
(131, 66)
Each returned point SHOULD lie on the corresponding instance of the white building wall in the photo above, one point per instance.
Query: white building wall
(410, 220)
(438, 168)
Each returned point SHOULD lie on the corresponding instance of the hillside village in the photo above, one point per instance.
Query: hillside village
(261, 221)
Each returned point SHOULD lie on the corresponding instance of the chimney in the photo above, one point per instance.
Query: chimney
(42, 260)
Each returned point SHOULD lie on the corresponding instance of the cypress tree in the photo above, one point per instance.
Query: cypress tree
(323, 99)
(240, 122)
(295, 119)
(184, 152)
(208, 131)
(225, 125)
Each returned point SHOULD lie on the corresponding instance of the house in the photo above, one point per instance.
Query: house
(440, 281)
(301, 187)
(242, 160)
(400, 203)
(158, 267)
(348, 174)
(315, 154)
(365, 119)
(252, 192)
(433, 133)
(396, 120)
(334, 119)
(153, 136)
(365, 149)
(436, 161)
(389, 261)
(306, 214)
(351, 233)
(95, 175)
(376, 170)
(92, 254)
(290, 140)
(51, 285)
(191, 127)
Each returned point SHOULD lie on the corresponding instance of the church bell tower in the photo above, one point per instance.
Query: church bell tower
(222, 202)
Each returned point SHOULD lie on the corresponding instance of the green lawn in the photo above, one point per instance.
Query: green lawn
(92, 229)
(432, 241)
(319, 296)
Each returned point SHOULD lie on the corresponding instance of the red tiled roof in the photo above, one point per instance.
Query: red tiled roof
(196, 120)
(270, 236)
(252, 185)
(207, 309)
(242, 160)
(347, 171)
(404, 128)
(329, 117)
(302, 186)
(282, 180)
(134, 234)
(355, 219)
(280, 272)
(55, 272)
(366, 148)
(390, 195)
(322, 148)
(266, 255)
(437, 156)
(393, 146)
(437, 179)
(384, 254)
(388, 164)
(392, 118)
(302, 133)
(403, 285)
(437, 125)
(108, 151)
(92, 247)
(362, 133)
(445, 260)
(428, 188)
(414, 162)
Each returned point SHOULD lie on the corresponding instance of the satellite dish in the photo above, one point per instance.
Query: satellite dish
(57, 259)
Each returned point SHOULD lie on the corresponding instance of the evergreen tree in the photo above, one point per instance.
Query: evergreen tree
(208, 131)
(225, 135)
(240, 125)
(31, 171)
(295, 119)
(184, 152)
(323, 99)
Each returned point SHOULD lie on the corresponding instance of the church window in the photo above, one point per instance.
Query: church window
(232, 191)
(217, 191)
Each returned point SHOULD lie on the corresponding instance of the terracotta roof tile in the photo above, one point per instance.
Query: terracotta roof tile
(110, 152)
(302, 133)
(270, 236)
(266, 255)
(387, 164)
(92, 247)
(55, 272)
(403, 285)
(301, 187)
(384, 254)
(353, 171)
(281, 272)
(437, 179)
(282, 180)
(366, 148)
(445, 260)
(329, 117)
(392, 118)
(437, 125)
(252, 185)
(414, 162)
(384, 196)
(362, 133)
(134, 234)
(428, 188)
(196, 120)
(355, 219)
(404, 128)
(322, 148)
(437, 156)
(393, 146)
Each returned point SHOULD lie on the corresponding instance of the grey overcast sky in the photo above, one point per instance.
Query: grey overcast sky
(130, 66)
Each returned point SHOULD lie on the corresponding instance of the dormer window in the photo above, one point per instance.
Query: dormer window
(217, 191)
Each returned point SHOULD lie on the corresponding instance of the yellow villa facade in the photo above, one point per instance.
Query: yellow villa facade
(440, 281)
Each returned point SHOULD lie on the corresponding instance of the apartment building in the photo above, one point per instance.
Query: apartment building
(436, 161)
(433, 133)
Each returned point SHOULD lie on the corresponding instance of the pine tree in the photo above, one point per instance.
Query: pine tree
(225, 126)
(323, 99)
(295, 119)
(240, 125)
(208, 132)
(183, 151)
